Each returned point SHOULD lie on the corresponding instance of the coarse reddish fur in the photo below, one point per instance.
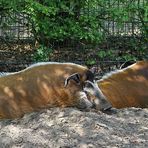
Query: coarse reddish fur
(40, 86)
(127, 87)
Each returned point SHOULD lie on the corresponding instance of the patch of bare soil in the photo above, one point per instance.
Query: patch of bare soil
(71, 128)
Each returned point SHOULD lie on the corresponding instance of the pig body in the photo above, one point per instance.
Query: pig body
(127, 87)
(44, 85)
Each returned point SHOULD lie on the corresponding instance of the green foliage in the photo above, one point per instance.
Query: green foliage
(59, 21)
(91, 62)
(136, 11)
(103, 54)
(83, 20)
(78, 20)
(42, 54)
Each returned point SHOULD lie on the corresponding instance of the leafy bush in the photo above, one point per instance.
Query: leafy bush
(82, 21)
(56, 20)
(42, 54)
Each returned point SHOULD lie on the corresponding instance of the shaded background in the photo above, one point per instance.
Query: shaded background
(97, 33)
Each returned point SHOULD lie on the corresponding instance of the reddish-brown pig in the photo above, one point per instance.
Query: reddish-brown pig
(127, 87)
(46, 85)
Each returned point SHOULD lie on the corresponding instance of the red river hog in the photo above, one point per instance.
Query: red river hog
(46, 85)
(127, 87)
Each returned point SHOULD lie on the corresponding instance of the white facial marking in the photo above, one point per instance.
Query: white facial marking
(84, 99)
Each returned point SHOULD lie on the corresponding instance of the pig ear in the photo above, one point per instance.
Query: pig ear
(75, 77)
(127, 63)
(93, 70)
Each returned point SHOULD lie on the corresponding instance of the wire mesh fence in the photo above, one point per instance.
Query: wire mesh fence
(16, 33)
(15, 27)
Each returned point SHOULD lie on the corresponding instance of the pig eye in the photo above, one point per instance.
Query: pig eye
(86, 92)
(88, 84)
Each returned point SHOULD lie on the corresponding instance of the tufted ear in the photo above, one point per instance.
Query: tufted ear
(75, 77)
(127, 63)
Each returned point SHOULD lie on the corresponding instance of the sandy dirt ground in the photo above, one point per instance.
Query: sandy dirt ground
(72, 128)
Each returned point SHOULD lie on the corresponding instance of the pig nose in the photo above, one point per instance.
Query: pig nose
(107, 106)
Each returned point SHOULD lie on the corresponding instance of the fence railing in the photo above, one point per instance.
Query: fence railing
(17, 27)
